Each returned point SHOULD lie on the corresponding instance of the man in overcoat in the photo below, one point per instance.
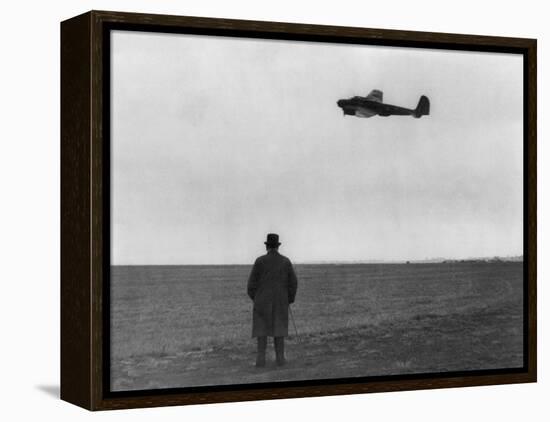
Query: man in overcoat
(272, 286)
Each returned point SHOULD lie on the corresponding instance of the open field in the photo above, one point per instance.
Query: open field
(180, 326)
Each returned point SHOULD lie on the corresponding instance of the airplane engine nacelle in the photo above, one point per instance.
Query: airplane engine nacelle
(349, 111)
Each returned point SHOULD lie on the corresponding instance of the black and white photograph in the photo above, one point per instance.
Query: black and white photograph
(275, 211)
(289, 210)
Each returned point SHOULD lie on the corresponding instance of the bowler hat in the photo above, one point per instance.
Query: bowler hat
(272, 240)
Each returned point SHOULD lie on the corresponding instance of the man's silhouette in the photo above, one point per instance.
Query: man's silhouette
(272, 286)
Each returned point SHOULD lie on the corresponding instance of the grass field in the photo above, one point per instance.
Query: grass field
(180, 326)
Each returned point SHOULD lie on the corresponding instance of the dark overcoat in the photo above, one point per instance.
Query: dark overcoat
(272, 285)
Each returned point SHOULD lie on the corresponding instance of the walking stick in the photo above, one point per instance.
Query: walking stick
(294, 323)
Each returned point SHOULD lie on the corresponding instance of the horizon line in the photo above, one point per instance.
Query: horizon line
(508, 258)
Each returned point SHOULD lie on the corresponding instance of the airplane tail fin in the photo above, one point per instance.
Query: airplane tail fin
(423, 107)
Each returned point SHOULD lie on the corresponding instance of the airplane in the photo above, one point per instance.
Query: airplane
(372, 105)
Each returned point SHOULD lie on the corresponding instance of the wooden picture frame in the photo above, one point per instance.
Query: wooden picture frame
(85, 176)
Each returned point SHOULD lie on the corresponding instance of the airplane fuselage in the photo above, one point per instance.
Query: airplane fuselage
(362, 107)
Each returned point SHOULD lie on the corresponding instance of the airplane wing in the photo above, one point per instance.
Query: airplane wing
(375, 95)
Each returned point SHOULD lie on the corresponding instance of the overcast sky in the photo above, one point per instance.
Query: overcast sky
(217, 141)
